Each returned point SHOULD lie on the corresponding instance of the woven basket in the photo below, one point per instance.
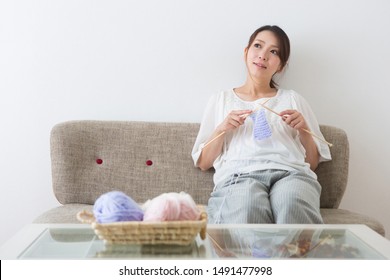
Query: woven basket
(169, 232)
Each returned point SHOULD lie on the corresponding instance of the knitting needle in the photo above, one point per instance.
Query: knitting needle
(319, 138)
(243, 116)
(212, 140)
(308, 131)
(222, 133)
(215, 242)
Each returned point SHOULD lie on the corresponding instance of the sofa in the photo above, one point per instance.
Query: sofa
(146, 159)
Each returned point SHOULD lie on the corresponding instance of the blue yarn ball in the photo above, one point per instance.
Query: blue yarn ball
(115, 206)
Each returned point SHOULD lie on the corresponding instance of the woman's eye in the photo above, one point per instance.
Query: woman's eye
(274, 52)
(257, 45)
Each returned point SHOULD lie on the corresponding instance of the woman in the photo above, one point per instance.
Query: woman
(264, 161)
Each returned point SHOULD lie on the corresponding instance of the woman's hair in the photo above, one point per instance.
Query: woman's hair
(284, 45)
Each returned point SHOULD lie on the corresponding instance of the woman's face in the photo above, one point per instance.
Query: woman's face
(262, 56)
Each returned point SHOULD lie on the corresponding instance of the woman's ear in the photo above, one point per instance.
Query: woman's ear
(245, 52)
(280, 68)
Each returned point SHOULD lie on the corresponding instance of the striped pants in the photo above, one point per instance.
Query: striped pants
(264, 197)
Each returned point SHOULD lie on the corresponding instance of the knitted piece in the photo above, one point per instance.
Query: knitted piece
(261, 128)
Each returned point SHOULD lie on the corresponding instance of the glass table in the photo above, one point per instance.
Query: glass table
(44, 241)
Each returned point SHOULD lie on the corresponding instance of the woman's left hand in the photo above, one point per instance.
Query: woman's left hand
(294, 119)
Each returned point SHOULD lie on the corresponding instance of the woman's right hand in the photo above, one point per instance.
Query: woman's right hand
(233, 120)
(214, 147)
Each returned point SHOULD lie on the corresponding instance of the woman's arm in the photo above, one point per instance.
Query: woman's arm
(296, 120)
(210, 153)
(312, 155)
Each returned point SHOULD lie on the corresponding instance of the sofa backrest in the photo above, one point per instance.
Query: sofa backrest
(145, 159)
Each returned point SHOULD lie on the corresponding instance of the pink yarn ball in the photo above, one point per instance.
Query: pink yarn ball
(162, 208)
(188, 208)
(171, 207)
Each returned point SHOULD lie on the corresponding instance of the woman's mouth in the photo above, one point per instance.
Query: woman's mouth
(260, 65)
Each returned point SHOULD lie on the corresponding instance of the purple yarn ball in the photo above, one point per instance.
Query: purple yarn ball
(115, 206)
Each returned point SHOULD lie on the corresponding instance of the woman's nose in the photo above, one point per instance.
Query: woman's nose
(262, 56)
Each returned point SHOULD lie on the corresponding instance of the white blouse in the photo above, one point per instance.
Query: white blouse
(243, 153)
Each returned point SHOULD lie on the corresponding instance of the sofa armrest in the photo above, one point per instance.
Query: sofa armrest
(333, 175)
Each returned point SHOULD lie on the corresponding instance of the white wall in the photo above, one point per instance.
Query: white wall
(160, 61)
